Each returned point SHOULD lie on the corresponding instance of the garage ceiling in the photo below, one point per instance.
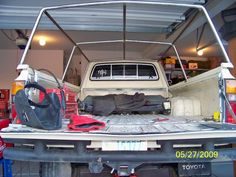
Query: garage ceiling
(140, 18)
(103, 22)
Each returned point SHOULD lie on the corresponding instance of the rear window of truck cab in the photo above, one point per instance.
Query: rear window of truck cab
(124, 72)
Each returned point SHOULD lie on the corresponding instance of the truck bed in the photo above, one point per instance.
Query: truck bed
(131, 127)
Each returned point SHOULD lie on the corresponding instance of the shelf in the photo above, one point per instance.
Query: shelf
(189, 73)
(179, 69)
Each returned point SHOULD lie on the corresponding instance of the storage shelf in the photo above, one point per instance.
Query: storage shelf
(179, 69)
(188, 72)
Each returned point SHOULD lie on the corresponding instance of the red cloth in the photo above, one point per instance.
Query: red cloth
(85, 123)
(4, 123)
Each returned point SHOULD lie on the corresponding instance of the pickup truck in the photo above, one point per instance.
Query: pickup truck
(180, 134)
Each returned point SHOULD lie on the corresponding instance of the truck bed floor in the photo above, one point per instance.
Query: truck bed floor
(142, 124)
(119, 127)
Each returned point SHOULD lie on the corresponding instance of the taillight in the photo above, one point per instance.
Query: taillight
(230, 90)
(16, 86)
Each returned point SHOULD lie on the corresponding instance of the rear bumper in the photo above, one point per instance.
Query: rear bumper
(77, 152)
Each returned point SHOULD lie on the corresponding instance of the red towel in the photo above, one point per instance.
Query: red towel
(85, 123)
(4, 123)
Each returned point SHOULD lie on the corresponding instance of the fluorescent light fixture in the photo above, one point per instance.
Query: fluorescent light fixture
(42, 41)
(200, 52)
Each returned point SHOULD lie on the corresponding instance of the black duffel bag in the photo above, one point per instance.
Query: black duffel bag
(45, 115)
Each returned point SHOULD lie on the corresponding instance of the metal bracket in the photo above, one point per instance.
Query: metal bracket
(123, 170)
(96, 167)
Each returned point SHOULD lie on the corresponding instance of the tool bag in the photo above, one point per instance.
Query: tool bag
(45, 115)
(123, 103)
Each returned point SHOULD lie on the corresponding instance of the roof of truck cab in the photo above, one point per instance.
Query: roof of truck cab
(124, 61)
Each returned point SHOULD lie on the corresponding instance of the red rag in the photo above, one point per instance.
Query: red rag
(85, 123)
(4, 123)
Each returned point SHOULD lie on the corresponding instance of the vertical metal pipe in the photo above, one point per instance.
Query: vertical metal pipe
(181, 65)
(67, 36)
(215, 33)
(181, 32)
(200, 36)
(31, 36)
(124, 31)
(68, 63)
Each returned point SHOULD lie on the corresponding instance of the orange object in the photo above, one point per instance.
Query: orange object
(16, 86)
(170, 61)
(193, 65)
(230, 86)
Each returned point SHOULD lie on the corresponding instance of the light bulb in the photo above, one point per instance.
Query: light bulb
(200, 52)
(42, 41)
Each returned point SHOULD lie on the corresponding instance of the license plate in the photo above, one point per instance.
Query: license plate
(124, 145)
(194, 169)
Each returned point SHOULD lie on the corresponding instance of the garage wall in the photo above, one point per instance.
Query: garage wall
(111, 54)
(74, 71)
(49, 59)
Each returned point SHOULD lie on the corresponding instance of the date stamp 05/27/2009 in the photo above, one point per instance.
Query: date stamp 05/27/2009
(194, 154)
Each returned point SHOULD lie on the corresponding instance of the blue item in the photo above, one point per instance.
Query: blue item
(7, 170)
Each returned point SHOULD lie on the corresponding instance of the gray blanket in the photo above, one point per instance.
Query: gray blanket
(105, 105)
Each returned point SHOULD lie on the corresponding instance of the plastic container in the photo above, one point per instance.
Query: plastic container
(184, 106)
(71, 100)
(4, 95)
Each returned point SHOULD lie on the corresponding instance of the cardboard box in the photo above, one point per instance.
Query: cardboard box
(170, 61)
(193, 65)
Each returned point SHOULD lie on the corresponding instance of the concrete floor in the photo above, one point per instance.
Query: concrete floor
(23, 169)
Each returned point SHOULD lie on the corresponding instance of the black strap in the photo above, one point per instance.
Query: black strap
(53, 75)
(42, 89)
(63, 98)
